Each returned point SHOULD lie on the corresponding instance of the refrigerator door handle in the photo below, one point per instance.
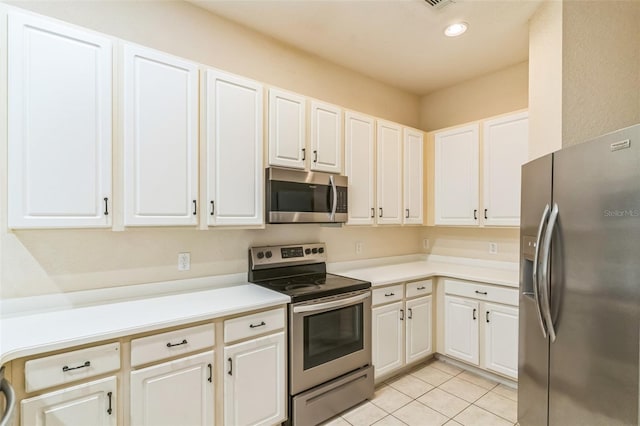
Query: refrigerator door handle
(536, 257)
(545, 296)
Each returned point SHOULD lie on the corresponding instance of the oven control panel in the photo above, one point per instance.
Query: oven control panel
(297, 254)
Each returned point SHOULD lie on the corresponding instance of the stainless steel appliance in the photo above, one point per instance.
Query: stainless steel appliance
(579, 347)
(295, 196)
(329, 330)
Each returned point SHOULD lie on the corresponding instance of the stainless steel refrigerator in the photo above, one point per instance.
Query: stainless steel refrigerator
(579, 344)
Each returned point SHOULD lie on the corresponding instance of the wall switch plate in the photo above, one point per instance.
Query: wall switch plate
(359, 247)
(425, 243)
(493, 248)
(184, 261)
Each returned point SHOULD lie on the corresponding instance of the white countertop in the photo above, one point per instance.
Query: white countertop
(33, 333)
(499, 273)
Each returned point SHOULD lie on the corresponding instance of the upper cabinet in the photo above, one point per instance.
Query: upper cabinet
(458, 177)
(326, 138)
(59, 125)
(235, 176)
(160, 136)
(360, 167)
(287, 129)
(389, 156)
(288, 145)
(505, 143)
(413, 176)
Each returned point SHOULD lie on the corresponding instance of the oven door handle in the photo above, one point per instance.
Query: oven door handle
(332, 304)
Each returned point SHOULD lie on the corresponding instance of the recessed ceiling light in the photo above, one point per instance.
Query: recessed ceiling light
(456, 29)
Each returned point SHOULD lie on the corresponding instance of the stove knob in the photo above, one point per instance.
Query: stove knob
(268, 254)
(314, 250)
(260, 255)
(321, 250)
(307, 251)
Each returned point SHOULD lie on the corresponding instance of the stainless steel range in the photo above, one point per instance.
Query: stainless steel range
(329, 330)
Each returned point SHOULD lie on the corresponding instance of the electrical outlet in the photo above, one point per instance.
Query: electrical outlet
(359, 247)
(425, 243)
(493, 248)
(184, 261)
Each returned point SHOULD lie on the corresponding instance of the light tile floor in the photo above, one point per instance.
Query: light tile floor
(432, 394)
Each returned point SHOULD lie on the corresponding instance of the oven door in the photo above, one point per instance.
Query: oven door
(329, 337)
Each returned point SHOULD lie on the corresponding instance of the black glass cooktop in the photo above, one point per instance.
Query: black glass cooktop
(313, 286)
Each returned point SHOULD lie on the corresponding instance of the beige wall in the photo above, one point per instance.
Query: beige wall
(545, 80)
(488, 95)
(49, 261)
(474, 242)
(601, 68)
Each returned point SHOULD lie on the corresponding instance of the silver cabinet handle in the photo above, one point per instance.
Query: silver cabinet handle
(373, 212)
(332, 218)
(474, 314)
(546, 247)
(487, 316)
(10, 399)
(536, 258)
(315, 156)
(410, 313)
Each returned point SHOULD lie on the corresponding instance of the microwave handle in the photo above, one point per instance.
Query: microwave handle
(332, 218)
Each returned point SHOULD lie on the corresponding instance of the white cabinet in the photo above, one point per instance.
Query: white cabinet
(461, 329)
(160, 135)
(326, 138)
(418, 338)
(255, 390)
(178, 392)
(59, 125)
(287, 129)
(456, 176)
(413, 176)
(505, 149)
(480, 327)
(389, 173)
(387, 338)
(501, 339)
(235, 175)
(401, 327)
(92, 403)
(360, 167)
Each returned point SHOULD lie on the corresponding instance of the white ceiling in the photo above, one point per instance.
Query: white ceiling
(398, 42)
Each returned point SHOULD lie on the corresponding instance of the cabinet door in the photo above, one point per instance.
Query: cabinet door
(360, 166)
(461, 329)
(326, 138)
(160, 107)
(92, 403)
(413, 176)
(418, 337)
(389, 173)
(501, 339)
(505, 143)
(387, 338)
(456, 176)
(59, 125)
(235, 175)
(178, 392)
(287, 129)
(255, 390)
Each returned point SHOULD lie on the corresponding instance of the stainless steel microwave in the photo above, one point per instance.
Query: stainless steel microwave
(295, 196)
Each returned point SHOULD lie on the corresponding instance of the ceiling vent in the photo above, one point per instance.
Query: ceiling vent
(438, 4)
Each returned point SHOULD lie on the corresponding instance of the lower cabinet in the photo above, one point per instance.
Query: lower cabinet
(254, 382)
(178, 392)
(479, 331)
(401, 328)
(92, 403)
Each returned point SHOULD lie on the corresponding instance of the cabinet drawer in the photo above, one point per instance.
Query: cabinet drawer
(419, 288)
(177, 342)
(68, 367)
(252, 325)
(508, 296)
(387, 294)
